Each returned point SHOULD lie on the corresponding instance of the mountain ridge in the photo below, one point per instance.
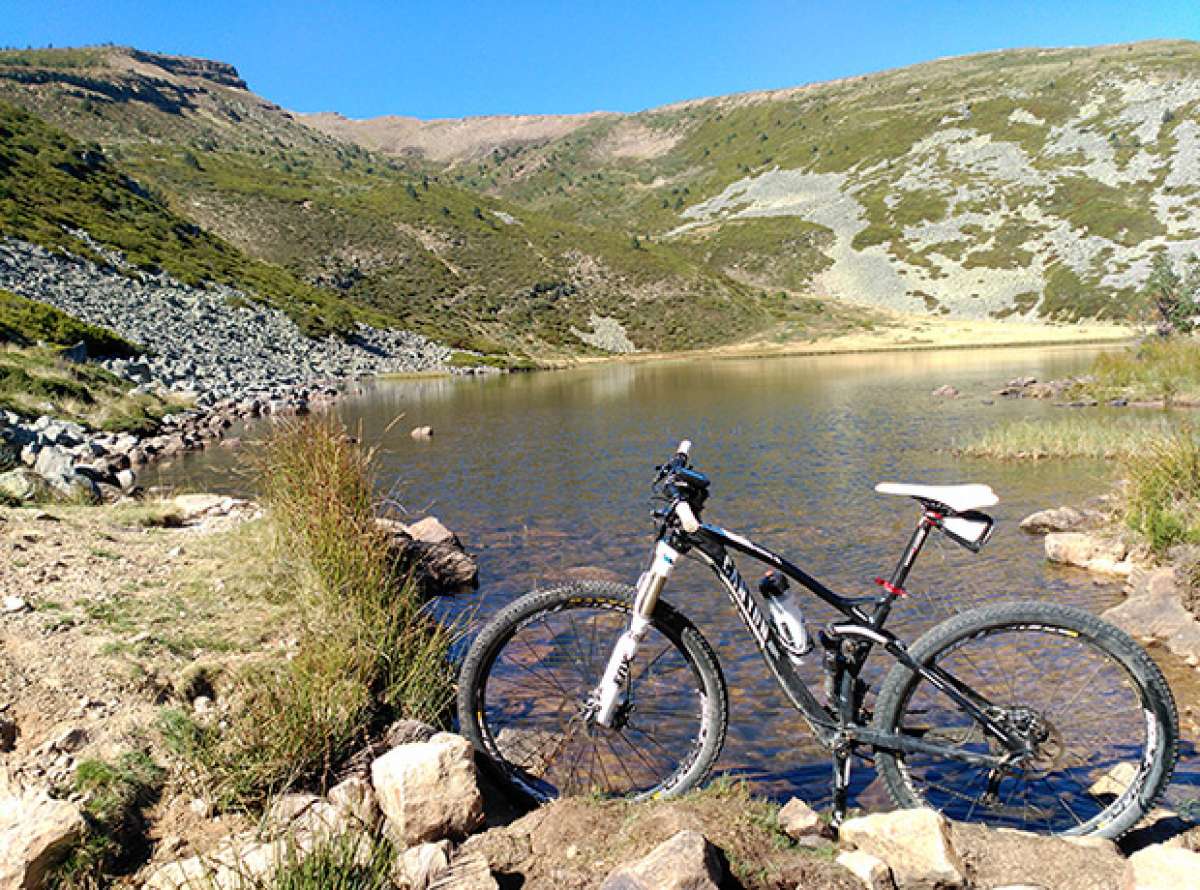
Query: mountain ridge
(1035, 183)
(388, 239)
(1027, 184)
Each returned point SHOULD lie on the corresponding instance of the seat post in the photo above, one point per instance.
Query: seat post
(895, 585)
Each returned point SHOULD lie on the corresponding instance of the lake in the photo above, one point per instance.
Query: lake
(543, 473)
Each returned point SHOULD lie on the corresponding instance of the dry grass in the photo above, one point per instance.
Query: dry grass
(1078, 435)
(1162, 501)
(368, 650)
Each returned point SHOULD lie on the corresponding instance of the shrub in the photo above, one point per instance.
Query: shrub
(369, 651)
(1163, 498)
(25, 322)
(1175, 296)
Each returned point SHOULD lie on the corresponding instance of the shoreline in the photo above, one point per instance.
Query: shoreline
(955, 335)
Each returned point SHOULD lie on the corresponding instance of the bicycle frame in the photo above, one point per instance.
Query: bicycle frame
(839, 730)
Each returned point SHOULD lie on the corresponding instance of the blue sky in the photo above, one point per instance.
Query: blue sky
(444, 59)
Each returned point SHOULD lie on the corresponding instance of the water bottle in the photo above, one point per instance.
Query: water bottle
(785, 615)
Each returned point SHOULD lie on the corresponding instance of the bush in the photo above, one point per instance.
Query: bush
(369, 651)
(1175, 296)
(1163, 498)
(25, 322)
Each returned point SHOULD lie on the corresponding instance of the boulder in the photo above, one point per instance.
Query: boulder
(466, 872)
(1057, 519)
(418, 867)
(946, 392)
(431, 531)
(873, 872)
(35, 833)
(54, 465)
(428, 791)
(1154, 609)
(1091, 552)
(914, 843)
(22, 485)
(438, 565)
(797, 819)
(356, 799)
(685, 861)
(1162, 868)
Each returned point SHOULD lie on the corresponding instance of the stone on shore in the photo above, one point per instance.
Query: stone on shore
(686, 861)
(1057, 519)
(36, 832)
(872, 871)
(797, 819)
(914, 843)
(428, 791)
(1162, 868)
(1155, 609)
(1092, 552)
(432, 553)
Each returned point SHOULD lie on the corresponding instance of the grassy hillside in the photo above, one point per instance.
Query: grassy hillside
(333, 224)
(52, 186)
(1032, 182)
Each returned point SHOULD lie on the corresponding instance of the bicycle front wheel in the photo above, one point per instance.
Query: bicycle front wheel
(525, 694)
(1095, 707)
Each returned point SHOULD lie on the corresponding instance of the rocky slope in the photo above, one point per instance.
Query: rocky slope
(318, 222)
(1035, 183)
(213, 343)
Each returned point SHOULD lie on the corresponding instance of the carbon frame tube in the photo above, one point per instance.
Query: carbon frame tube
(711, 541)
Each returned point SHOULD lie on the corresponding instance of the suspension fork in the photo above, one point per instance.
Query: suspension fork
(607, 697)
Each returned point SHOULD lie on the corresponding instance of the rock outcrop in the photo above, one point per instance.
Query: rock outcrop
(1155, 610)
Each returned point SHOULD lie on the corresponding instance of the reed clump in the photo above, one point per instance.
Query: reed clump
(1162, 499)
(1080, 435)
(1164, 368)
(368, 649)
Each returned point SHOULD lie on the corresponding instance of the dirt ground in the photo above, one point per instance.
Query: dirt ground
(107, 615)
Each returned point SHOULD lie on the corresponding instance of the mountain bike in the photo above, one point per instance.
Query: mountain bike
(1031, 715)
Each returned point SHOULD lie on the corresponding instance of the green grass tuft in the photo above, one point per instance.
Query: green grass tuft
(369, 651)
(117, 795)
(1163, 498)
(26, 322)
(1078, 435)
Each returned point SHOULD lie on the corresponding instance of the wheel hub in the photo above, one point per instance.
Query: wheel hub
(1045, 743)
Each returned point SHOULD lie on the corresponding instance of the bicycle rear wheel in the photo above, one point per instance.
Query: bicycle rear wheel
(525, 687)
(1096, 706)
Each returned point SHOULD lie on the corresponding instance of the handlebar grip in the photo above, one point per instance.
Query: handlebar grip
(687, 519)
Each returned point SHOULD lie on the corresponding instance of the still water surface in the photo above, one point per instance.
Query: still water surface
(543, 473)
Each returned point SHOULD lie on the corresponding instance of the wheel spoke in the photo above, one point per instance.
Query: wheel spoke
(537, 714)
